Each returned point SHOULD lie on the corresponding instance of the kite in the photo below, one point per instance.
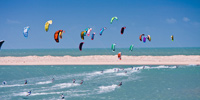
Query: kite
(47, 25)
(26, 29)
(80, 46)
(113, 19)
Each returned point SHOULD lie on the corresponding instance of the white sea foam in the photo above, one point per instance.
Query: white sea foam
(105, 89)
(65, 85)
(192, 65)
(34, 94)
(121, 74)
(45, 93)
(14, 85)
(109, 71)
(20, 94)
(94, 73)
(46, 82)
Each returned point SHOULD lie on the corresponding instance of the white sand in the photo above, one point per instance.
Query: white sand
(102, 60)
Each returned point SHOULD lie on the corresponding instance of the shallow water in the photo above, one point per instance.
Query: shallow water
(152, 82)
(100, 51)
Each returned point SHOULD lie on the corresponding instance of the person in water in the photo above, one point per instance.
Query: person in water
(81, 82)
(26, 82)
(62, 96)
(4, 82)
(120, 84)
(102, 71)
(125, 72)
(29, 93)
(52, 80)
(74, 80)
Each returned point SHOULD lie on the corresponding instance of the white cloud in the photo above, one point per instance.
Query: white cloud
(171, 20)
(12, 21)
(185, 19)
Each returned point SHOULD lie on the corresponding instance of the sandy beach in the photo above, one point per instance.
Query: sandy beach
(102, 60)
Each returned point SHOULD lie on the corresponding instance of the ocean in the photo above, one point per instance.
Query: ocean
(100, 82)
(100, 51)
(151, 83)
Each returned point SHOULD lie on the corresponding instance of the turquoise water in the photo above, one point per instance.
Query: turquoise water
(85, 52)
(150, 83)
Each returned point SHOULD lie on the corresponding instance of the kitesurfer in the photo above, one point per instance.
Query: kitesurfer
(74, 80)
(62, 96)
(26, 82)
(29, 93)
(120, 84)
(4, 82)
(81, 82)
(52, 80)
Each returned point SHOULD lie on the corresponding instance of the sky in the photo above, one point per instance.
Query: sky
(158, 18)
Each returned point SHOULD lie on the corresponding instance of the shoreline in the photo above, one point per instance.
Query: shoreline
(102, 60)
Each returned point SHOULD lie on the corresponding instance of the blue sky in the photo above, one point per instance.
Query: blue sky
(158, 18)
